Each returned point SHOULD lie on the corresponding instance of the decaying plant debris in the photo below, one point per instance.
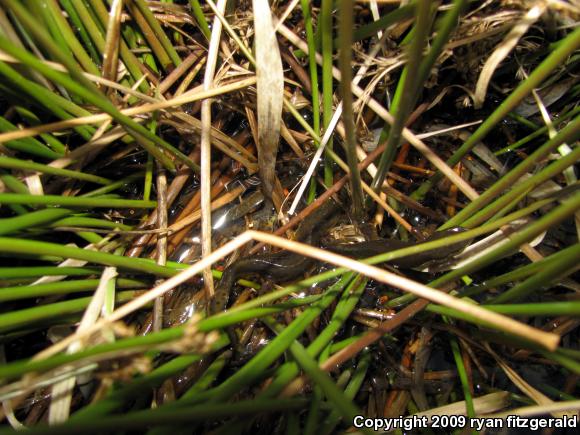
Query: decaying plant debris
(152, 151)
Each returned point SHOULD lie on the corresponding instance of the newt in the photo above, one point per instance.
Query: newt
(286, 266)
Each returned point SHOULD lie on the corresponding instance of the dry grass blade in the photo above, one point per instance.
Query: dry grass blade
(270, 93)
(7, 407)
(111, 52)
(161, 240)
(506, 46)
(205, 186)
(189, 97)
(62, 391)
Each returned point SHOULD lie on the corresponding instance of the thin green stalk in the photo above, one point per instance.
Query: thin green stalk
(311, 191)
(567, 135)
(292, 423)
(28, 247)
(571, 353)
(313, 418)
(255, 368)
(346, 24)
(89, 23)
(74, 201)
(56, 104)
(467, 396)
(29, 316)
(566, 47)
(76, 47)
(443, 33)
(79, 221)
(514, 275)
(148, 180)
(101, 17)
(312, 63)
(79, 25)
(539, 132)
(21, 146)
(325, 26)
(509, 205)
(53, 142)
(47, 20)
(342, 404)
(370, 29)
(61, 288)
(456, 314)
(562, 359)
(209, 376)
(14, 184)
(555, 392)
(531, 183)
(228, 319)
(163, 416)
(553, 271)
(32, 219)
(159, 32)
(407, 91)
(344, 308)
(114, 186)
(200, 18)
(28, 145)
(26, 165)
(338, 346)
(350, 392)
(90, 237)
(36, 271)
(524, 121)
(144, 32)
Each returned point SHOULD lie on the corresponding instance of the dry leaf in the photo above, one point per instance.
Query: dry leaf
(270, 93)
(503, 49)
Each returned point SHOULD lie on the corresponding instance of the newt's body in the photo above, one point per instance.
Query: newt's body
(285, 266)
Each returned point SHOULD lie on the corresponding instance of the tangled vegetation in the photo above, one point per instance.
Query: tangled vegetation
(253, 216)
